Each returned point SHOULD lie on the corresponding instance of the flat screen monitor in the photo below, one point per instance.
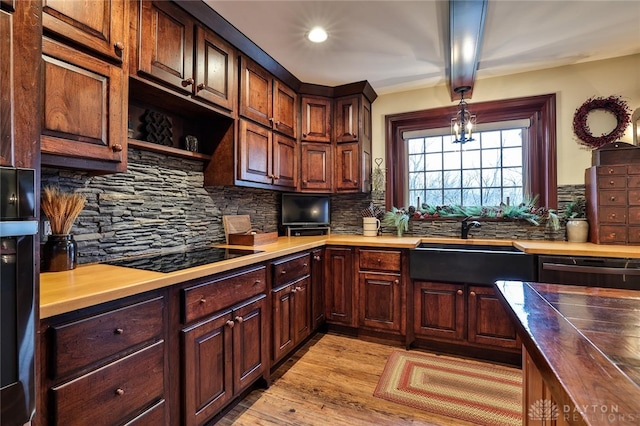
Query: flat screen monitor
(305, 209)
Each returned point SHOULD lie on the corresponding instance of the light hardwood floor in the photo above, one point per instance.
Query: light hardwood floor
(330, 381)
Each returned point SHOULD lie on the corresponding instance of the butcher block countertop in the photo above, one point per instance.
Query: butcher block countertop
(91, 284)
(586, 343)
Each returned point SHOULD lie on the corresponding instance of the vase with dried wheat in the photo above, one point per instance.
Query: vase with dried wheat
(60, 252)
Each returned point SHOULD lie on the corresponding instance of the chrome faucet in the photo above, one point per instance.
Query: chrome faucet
(466, 227)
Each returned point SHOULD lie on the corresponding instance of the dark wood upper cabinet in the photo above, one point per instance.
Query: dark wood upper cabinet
(266, 100)
(6, 91)
(165, 51)
(84, 99)
(215, 80)
(102, 28)
(316, 119)
(316, 167)
(347, 119)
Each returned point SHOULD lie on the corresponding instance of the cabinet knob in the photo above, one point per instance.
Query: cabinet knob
(119, 46)
(116, 147)
(316, 258)
(230, 323)
(119, 391)
(239, 319)
(283, 272)
(293, 290)
(200, 86)
(304, 265)
(611, 182)
(203, 301)
(275, 177)
(612, 198)
(305, 182)
(613, 215)
(298, 288)
(355, 135)
(610, 171)
(379, 261)
(187, 82)
(472, 294)
(304, 135)
(118, 331)
(397, 281)
(257, 282)
(459, 292)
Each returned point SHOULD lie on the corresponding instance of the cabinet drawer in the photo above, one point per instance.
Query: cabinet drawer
(634, 197)
(612, 170)
(81, 343)
(613, 215)
(633, 181)
(634, 234)
(613, 234)
(291, 269)
(613, 182)
(380, 260)
(633, 169)
(155, 415)
(113, 393)
(223, 292)
(612, 198)
(634, 216)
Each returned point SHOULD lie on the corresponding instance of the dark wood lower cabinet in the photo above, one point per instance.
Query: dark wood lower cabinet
(291, 317)
(339, 286)
(463, 314)
(380, 301)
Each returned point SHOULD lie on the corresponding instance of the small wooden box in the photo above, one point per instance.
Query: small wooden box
(256, 239)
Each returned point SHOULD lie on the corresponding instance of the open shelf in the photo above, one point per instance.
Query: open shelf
(176, 152)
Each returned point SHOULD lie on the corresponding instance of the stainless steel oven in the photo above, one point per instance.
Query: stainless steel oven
(18, 227)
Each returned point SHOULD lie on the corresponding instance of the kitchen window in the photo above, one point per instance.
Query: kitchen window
(537, 159)
(485, 172)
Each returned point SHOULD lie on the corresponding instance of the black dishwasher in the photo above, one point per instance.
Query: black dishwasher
(590, 271)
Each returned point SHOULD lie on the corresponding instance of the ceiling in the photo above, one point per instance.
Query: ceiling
(400, 45)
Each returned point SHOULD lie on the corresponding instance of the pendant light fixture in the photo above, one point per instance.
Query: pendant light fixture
(463, 123)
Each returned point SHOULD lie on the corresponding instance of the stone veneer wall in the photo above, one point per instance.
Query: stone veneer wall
(160, 204)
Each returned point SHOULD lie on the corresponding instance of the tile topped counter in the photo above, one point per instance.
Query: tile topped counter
(91, 284)
(585, 341)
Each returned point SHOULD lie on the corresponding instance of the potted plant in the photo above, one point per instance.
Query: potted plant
(398, 218)
(575, 214)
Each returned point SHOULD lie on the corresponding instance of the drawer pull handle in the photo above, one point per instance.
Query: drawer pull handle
(203, 301)
(283, 272)
(293, 290)
(230, 323)
(119, 391)
(239, 319)
(118, 331)
(459, 292)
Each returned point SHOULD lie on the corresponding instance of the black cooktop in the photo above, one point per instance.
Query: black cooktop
(172, 262)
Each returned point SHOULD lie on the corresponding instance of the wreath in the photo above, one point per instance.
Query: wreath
(616, 106)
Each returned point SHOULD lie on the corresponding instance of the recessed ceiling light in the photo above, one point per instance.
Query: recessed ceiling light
(317, 35)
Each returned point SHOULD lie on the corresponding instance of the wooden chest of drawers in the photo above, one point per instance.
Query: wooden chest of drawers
(613, 203)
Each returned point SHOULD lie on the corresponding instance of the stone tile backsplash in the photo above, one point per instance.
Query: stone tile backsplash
(160, 204)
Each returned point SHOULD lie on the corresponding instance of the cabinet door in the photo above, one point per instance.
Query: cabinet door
(285, 161)
(250, 350)
(301, 309)
(347, 119)
(347, 167)
(83, 106)
(439, 310)
(215, 80)
(99, 26)
(316, 119)
(339, 286)
(317, 289)
(207, 367)
(380, 301)
(285, 109)
(255, 153)
(165, 50)
(489, 323)
(315, 173)
(6, 90)
(256, 92)
(282, 318)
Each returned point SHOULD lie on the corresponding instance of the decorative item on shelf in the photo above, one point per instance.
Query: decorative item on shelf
(612, 104)
(60, 252)
(463, 123)
(575, 213)
(158, 128)
(378, 176)
(191, 143)
(398, 218)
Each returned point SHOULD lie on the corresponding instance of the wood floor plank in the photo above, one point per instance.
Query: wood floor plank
(330, 381)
